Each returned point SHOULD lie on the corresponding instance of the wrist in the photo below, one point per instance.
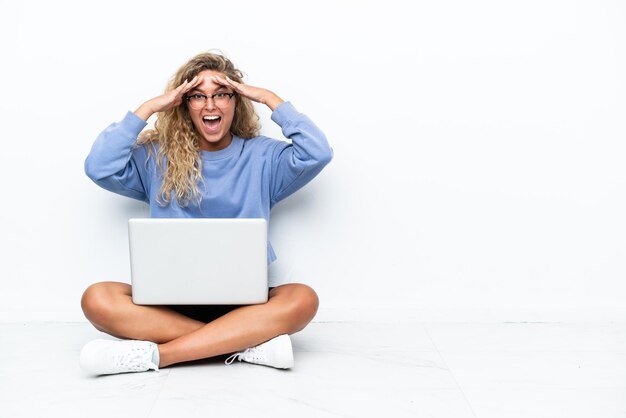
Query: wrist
(145, 111)
(272, 101)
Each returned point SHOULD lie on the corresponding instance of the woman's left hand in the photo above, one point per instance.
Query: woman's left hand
(256, 94)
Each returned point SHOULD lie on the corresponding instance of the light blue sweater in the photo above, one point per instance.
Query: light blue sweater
(244, 180)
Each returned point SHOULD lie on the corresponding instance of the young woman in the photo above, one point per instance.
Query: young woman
(204, 158)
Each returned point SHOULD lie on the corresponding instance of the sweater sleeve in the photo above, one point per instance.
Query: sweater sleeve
(295, 164)
(115, 164)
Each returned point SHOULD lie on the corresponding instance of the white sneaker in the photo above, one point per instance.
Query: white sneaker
(276, 352)
(111, 356)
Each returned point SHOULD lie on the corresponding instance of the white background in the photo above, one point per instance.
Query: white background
(479, 148)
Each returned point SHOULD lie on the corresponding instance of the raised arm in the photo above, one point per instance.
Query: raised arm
(114, 162)
(168, 100)
(295, 164)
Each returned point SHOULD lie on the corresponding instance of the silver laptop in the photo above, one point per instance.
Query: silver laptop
(193, 261)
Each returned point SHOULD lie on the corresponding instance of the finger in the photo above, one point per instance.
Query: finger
(227, 82)
(219, 80)
(233, 82)
(238, 87)
(195, 81)
(178, 89)
(191, 84)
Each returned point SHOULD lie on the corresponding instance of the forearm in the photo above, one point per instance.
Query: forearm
(297, 163)
(309, 143)
(271, 100)
(145, 110)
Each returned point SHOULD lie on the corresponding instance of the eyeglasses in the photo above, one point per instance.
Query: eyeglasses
(198, 101)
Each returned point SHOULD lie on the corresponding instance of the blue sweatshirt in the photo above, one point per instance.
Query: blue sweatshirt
(244, 180)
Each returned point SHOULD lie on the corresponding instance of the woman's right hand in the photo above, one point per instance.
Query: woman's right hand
(168, 100)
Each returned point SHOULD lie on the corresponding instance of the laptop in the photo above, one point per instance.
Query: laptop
(192, 261)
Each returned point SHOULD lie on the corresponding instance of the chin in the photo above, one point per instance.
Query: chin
(212, 142)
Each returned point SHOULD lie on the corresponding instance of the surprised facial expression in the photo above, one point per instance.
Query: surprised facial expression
(212, 115)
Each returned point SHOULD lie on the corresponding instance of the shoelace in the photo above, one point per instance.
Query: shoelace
(135, 360)
(246, 354)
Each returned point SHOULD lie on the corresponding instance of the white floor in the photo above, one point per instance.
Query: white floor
(343, 369)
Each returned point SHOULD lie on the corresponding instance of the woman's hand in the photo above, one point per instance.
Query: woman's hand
(168, 100)
(256, 94)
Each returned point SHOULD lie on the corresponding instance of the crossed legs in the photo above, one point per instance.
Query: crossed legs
(109, 307)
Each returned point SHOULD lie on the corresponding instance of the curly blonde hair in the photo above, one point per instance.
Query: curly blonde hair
(178, 151)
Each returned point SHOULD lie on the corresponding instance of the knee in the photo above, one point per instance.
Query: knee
(309, 302)
(302, 307)
(96, 302)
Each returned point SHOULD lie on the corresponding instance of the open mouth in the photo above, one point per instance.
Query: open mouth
(211, 123)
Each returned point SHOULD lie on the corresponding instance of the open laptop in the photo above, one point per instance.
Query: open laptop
(192, 261)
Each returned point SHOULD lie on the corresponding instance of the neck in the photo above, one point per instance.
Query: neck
(216, 146)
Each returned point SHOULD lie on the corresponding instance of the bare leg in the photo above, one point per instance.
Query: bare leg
(110, 308)
(289, 309)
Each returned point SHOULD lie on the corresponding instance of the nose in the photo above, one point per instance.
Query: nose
(210, 103)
